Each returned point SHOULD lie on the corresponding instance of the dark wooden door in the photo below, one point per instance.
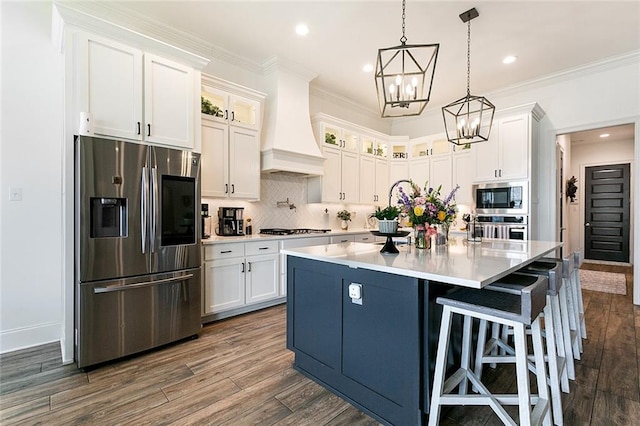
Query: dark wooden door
(607, 213)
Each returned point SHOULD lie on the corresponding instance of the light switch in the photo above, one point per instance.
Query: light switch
(15, 194)
(355, 293)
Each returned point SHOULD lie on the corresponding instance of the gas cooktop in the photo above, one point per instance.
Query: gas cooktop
(284, 231)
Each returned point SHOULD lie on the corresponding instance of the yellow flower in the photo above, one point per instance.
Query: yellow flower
(418, 210)
(441, 215)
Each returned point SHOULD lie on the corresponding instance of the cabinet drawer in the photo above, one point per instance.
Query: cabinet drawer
(261, 247)
(223, 251)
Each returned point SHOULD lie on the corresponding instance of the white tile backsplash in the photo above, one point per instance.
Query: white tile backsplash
(280, 186)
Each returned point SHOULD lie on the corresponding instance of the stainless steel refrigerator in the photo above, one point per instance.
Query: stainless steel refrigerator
(137, 248)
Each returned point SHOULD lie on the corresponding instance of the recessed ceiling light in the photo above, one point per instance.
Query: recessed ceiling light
(509, 59)
(604, 135)
(302, 29)
(367, 68)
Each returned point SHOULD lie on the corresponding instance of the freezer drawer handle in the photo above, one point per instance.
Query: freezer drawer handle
(110, 289)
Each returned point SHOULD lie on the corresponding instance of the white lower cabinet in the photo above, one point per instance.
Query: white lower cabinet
(239, 274)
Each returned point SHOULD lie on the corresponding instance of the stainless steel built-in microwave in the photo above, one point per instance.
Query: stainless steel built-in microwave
(501, 198)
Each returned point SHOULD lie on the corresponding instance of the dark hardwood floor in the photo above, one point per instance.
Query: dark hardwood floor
(239, 373)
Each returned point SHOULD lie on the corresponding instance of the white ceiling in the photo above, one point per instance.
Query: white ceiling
(547, 37)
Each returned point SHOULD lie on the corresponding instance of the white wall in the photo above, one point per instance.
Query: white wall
(32, 121)
(595, 154)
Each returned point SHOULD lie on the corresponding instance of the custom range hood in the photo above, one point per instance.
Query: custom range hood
(288, 143)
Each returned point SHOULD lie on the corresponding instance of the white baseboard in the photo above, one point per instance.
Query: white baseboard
(27, 337)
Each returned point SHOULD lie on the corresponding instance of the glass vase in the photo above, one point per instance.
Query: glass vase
(422, 241)
(442, 234)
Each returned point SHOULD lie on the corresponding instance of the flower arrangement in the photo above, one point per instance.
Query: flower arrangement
(426, 206)
(344, 215)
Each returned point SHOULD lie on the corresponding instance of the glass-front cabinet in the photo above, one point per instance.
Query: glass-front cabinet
(340, 138)
(374, 147)
(229, 108)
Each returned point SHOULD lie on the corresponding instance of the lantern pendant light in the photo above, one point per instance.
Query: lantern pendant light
(469, 119)
(404, 75)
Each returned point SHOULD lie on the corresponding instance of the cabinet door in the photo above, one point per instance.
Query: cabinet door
(168, 102)
(367, 180)
(109, 82)
(463, 174)
(244, 112)
(224, 285)
(350, 177)
(215, 167)
(382, 180)
(440, 173)
(398, 170)
(419, 171)
(244, 163)
(514, 144)
(220, 102)
(262, 278)
(487, 156)
(331, 181)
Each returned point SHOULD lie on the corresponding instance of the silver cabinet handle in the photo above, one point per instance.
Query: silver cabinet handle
(587, 224)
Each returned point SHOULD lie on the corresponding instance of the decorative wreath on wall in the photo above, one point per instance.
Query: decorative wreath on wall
(572, 188)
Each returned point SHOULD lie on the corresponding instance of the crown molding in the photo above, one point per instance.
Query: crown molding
(328, 95)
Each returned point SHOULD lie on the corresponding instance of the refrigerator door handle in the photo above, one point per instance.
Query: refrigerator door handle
(154, 207)
(122, 287)
(144, 203)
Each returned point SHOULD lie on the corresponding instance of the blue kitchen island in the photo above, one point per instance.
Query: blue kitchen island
(365, 325)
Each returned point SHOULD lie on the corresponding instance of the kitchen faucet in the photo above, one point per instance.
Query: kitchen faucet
(396, 184)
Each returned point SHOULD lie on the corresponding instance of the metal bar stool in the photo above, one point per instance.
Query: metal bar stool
(555, 356)
(578, 292)
(513, 310)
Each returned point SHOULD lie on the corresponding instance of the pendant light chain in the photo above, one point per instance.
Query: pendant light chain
(468, 57)
(403, 39)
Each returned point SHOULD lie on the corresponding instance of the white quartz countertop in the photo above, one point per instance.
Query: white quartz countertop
(216, 239)
(461, 263)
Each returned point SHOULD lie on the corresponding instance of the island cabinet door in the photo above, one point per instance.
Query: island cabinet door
(381, 342)
(314, 315)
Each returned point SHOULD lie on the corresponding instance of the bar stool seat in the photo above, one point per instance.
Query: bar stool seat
(513, 310)
(486, 352)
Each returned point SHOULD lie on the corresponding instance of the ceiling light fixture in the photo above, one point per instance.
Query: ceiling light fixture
(404, 75)
(469, 119)
(604, 135)
(509, 59)
(302, 29)
(367, 68)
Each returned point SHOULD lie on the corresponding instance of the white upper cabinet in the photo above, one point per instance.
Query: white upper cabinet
(374, 169)
(230, 140)
(109, 86)
(464, 173)
(506, 154)
(431, 162)
(168, 102)
(227, 107)
(341, 180)
(133, 94)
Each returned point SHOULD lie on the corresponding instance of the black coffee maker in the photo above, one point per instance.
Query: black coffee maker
(230, 221)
